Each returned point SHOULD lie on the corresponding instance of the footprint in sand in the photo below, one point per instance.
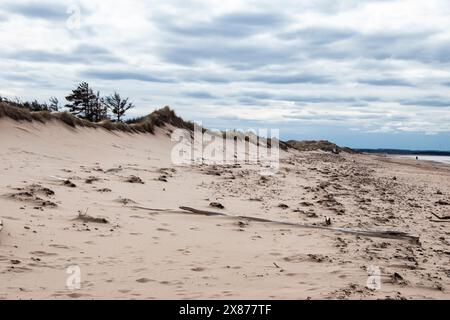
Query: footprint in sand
(75, 295)
(43, 253)
(124, 291)
(59, 246)
(144, 280)
(198, 269)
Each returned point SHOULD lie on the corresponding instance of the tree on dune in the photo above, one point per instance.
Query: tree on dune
(54, 104)
(118, 105)
(99, 109)
(81, 101)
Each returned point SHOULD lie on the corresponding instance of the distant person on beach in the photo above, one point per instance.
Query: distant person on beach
(417, 158)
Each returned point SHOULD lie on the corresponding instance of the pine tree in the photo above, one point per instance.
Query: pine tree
(36, 106)
(117, 105)
(54, 104)
(99, 109)
(82, 100)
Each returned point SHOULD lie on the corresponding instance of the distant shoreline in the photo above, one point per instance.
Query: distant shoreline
(405, 152)
(441, 157)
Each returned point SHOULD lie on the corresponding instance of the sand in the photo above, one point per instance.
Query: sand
(140, 245)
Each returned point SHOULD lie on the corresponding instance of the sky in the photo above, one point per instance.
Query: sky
(367, 74)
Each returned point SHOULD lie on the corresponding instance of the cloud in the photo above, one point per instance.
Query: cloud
(199, 95)
(335, 7)
(319, 35)
(386, 82)
(339, 43)
(21, 77)
(291, 78)
(230, 25)
(207, 78)
(324, 99)
(223, 39)
(357, 100)
(38, 10)
(123, 75)
(433, 101)
(83, 53)
(231, 54)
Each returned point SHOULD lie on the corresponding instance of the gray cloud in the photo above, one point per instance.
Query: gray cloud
(249, 101)
(324, 99)
(262, 95)
(431, 101)
(405, 45)
(199, 95)
(334, 7)
(318, 35)
(38, 10)
(237, 56)
(295, 46)
(32, 79)
(368, 116)
(83, 53)
(258, 96)
(291, 78)
(231, 25)
(388, 82)
(123, 75)
(205, 77)
(223, 39)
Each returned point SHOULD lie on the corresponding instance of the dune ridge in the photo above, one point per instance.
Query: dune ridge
(145, 124)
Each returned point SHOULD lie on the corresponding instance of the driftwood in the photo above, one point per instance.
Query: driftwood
(439, 217)
(203, 212)
(87, 218)
(151, 209)
(368, 233)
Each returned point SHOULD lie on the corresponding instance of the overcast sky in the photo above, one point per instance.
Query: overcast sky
(359, 73)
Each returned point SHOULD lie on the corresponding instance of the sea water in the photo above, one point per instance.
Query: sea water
(442, 159)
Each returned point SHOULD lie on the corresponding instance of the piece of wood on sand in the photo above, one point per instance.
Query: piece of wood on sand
(439, 221)
(153, 210)
(84, 217)
(399, 235)
(441, 218)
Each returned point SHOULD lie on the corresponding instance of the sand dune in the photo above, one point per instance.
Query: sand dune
(109, 202)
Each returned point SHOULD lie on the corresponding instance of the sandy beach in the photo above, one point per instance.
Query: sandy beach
(109, 203)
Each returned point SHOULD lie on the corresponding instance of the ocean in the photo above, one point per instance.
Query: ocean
(442, 159)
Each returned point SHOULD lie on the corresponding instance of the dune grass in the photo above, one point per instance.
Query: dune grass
(145, 124)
